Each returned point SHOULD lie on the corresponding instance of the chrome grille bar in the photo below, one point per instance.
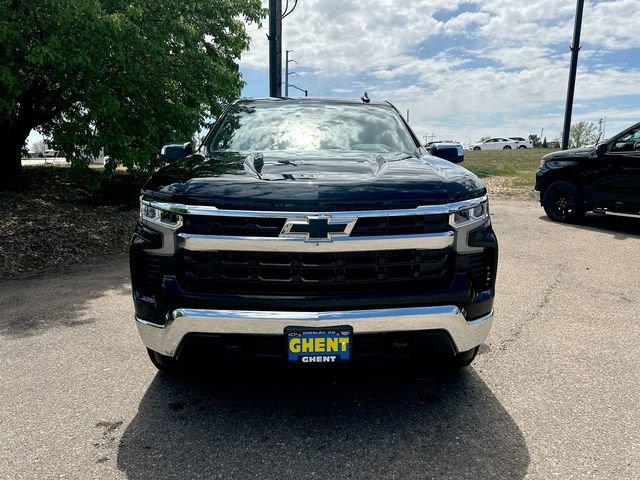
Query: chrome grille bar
(446, 208)
(207, 243)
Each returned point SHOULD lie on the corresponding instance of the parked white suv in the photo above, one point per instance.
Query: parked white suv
(497, 143)
(522, 142)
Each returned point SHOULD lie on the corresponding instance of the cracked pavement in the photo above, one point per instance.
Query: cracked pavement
(553, 392)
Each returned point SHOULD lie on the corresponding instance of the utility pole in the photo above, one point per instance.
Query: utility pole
(275, 48)
(575, 50)
(286, 72)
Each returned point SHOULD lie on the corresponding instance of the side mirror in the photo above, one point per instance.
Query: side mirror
(175, 151)
(602, 148)
(451, 152)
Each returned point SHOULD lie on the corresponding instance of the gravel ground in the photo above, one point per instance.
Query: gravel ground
(52, 224)
(553, 393)
(503, 187)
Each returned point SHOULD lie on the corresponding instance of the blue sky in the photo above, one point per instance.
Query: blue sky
(464, 68)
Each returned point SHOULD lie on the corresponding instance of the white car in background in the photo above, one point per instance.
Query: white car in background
(522, 142)
(497, 143)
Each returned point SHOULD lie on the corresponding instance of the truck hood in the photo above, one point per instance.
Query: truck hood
(312, 182)
(574, 153)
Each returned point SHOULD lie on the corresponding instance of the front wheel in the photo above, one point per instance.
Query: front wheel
(507, 147)
(563, 202)
(476, 148)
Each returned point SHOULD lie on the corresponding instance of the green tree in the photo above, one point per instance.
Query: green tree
(534, 140)
(585, 133)
(39, 147)
(124, 75)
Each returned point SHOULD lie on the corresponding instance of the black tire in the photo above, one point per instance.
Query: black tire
(429, 364)
(507, 147)
(168, 365)
(463, 359)
(563, 202)
(477, 148)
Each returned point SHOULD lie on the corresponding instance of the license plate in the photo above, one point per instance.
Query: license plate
(308, 345)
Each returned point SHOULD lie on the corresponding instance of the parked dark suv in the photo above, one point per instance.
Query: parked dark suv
(604, 179)
(313, 231)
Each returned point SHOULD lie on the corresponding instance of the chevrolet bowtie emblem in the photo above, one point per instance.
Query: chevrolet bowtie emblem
(317, 228)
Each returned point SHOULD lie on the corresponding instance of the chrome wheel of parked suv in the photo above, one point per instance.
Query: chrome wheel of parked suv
(563, 202)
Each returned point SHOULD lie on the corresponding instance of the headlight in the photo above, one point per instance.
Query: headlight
(469, 215)
(158, 216)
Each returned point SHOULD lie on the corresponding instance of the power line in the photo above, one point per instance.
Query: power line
(288, 12)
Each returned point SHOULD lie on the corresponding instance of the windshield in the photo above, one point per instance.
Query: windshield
(312, 127)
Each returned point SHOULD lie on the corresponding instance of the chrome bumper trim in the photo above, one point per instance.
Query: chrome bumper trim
(445, 208)
(536, 194)
(207, 243)
(165, 339)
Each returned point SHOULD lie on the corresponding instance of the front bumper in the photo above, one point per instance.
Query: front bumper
(166, 339)
(536, 195)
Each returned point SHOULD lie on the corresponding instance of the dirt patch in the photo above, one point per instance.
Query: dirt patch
(509, 174)
(503, 187)
(53, 223)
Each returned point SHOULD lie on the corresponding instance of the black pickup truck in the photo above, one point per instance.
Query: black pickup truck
(604, 179)
(312, 231)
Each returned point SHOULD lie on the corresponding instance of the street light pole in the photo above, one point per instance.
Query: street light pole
(306, 92)
(575, 50)
(275, 48)
(286, 72)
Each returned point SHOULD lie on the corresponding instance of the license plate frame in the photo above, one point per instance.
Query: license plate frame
(319, 345)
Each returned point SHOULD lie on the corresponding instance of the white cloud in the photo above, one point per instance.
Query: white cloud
(331, 36)
(613, 24)
(342, 90)
(502, 67)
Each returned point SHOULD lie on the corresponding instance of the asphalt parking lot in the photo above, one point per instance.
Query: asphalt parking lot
(553, 393)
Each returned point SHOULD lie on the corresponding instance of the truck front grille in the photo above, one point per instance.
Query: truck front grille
(271, 226)
(288, 273)
(402, 225)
